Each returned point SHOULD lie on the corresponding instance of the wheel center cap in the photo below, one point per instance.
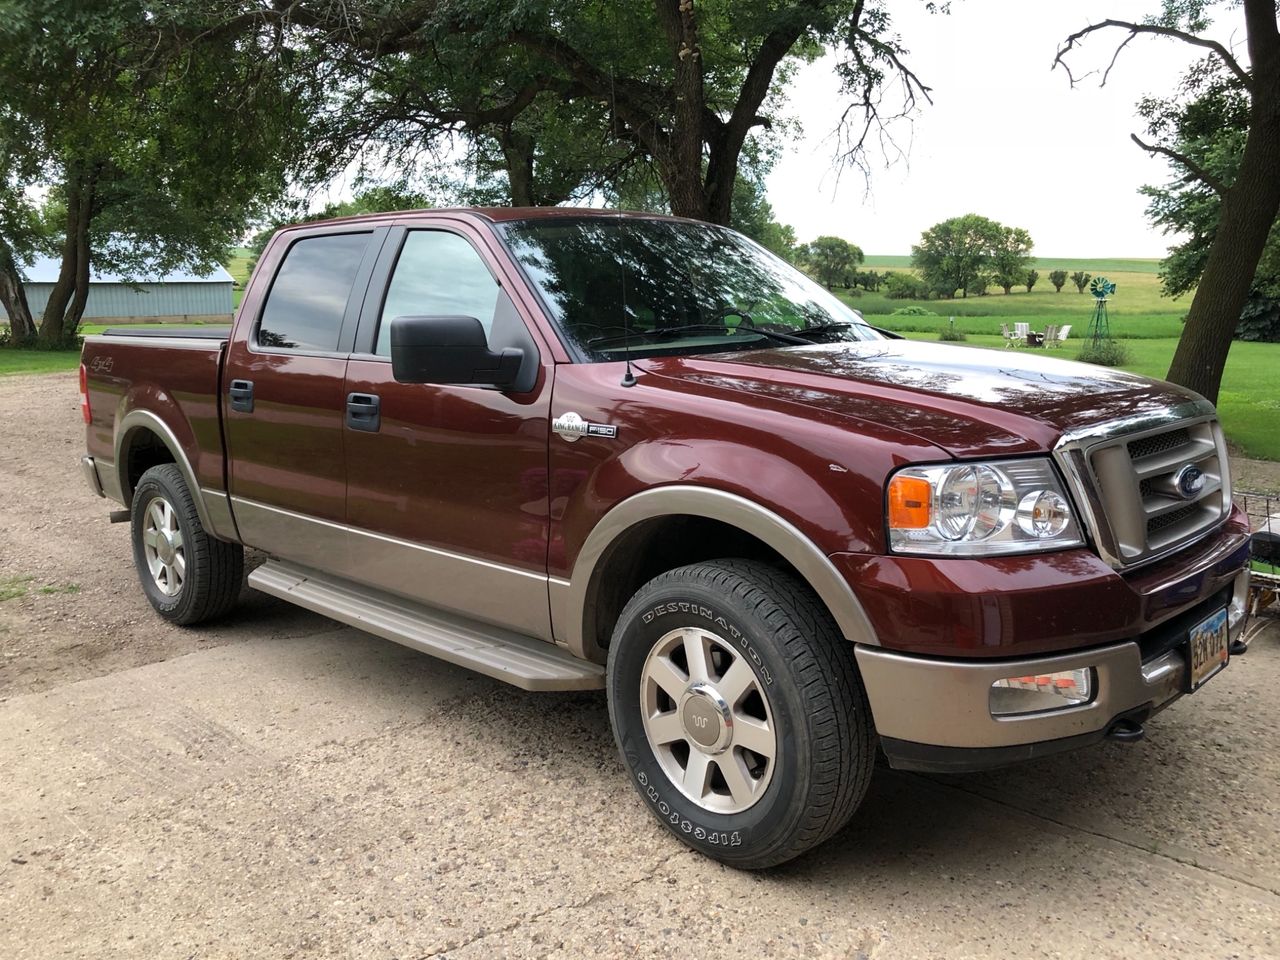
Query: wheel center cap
(707, 718)
(164, 548)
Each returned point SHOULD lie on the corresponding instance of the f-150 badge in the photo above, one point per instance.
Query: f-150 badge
(571, 427)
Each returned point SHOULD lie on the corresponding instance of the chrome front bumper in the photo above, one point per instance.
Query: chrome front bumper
(935, 714)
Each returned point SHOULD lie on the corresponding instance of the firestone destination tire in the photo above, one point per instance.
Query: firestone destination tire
(739, 712)
(188, 576)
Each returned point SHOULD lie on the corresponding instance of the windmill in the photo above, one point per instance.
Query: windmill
(1100, 326)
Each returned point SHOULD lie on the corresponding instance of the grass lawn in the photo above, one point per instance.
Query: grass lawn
(1249, 402)
(15, 362)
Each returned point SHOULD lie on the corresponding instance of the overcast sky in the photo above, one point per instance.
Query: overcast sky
(1005, 136)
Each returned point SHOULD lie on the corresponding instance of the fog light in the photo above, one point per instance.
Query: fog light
(1035, 693)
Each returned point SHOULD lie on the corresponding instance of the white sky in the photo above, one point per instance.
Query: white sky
(1005, 137)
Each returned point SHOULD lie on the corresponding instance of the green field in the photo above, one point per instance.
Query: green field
(238, 267)
(1137, 310)
(1043, 264)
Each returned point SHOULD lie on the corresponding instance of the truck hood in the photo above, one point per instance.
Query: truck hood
(968, 401)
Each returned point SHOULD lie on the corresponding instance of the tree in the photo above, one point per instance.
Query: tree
(1248, 203)
(901, 285)
(1209, 129)
(1081, 280)
(1011, 257)
(754, 216)
(681, 87)
(1059, 279)
(1031, 278)
(109, 112)
(832, 260)
(952, 254)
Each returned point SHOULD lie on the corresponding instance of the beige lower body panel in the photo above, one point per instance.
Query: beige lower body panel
(438, 578)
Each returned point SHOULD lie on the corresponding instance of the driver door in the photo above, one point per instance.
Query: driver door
(447, 485)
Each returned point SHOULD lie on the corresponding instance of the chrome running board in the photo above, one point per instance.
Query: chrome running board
(523, 661)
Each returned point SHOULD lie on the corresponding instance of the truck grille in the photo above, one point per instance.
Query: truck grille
(1128, 485)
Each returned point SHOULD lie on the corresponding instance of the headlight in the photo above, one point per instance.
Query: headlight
(980, 509)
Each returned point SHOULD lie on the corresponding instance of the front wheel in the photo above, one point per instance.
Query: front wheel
(739, 712)
(188, 576)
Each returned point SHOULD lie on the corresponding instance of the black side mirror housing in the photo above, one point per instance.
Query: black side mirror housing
(450, 350)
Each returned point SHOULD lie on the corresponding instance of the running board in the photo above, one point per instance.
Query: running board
(523, 661)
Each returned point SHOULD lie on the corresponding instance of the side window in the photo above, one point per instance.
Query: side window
(437, 274)
(309, 295)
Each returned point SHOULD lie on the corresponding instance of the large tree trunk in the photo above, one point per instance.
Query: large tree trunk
(67, 299)
(1249, 209)
(681, 167)
(517, 152)
(13, 297)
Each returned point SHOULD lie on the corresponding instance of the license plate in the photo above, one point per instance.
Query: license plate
(1207, 647)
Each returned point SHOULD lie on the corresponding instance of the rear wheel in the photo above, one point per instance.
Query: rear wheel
(738, 710)
(188, 576)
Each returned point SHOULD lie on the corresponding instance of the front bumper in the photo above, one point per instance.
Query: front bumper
(934, 714)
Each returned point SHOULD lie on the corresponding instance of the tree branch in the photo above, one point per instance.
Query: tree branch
(1134, 29)
(1197, 171)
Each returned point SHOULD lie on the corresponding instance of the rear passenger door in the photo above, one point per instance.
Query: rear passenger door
(447, 491)
(284, 402)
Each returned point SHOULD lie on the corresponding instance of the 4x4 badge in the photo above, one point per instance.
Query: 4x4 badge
(571, 427)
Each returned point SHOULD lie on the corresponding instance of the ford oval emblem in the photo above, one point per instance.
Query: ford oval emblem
(1189, 481)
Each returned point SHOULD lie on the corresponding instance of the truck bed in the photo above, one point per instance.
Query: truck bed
(213, 332)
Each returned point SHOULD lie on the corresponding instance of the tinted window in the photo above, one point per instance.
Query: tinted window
(652, 287)
(438, 274)
(306, 303)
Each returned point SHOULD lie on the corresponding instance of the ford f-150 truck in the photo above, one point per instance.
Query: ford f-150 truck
(578, 450)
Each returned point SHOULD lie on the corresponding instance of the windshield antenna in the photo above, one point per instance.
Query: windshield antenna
(628, 376)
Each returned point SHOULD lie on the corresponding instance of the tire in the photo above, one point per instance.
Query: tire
(806, 692)
(188, 576)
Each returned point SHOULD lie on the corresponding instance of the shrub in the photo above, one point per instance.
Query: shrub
(905, 286)
(913, 312)
(979, 285)
(1259, 320)
(1108, 353)
(1059, 279)
(951, 332)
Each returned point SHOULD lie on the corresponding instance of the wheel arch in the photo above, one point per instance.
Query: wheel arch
(613, 558)
(142, 441)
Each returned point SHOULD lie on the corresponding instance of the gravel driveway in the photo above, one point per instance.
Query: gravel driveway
(281, 786)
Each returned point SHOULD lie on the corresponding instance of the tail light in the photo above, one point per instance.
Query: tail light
(84, 395)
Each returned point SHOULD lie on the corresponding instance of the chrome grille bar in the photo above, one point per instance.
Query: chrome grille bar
(1149, 484)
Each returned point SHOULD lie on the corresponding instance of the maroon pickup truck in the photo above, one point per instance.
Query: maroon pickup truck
(578, 450)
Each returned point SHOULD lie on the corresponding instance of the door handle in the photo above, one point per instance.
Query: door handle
(364, 412)
(241, 393)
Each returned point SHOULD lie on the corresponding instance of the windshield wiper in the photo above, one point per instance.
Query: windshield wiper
(661, 332)
(845, 324)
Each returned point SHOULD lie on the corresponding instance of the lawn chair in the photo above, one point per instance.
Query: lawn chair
(1050, 335)
(1021, 331)
(1062, 335)
(1010, 339)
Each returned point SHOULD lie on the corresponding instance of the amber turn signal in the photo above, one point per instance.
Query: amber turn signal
(909, 499)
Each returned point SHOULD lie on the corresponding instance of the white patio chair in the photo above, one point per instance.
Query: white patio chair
(1010, 339)
(1062, 334)
(1021, 330)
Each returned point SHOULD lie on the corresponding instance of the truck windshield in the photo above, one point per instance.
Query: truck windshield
(653, 287)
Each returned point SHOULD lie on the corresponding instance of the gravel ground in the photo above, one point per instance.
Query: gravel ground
(282, 786)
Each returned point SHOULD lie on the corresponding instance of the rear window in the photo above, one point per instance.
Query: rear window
(309, 296)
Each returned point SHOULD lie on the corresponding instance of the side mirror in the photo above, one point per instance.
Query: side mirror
(449, 350)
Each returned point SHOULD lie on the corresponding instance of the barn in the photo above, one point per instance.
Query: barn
(171, 298)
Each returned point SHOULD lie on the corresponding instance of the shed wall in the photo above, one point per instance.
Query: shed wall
(146, 301)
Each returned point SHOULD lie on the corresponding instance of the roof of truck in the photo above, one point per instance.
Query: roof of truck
(495, 214)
